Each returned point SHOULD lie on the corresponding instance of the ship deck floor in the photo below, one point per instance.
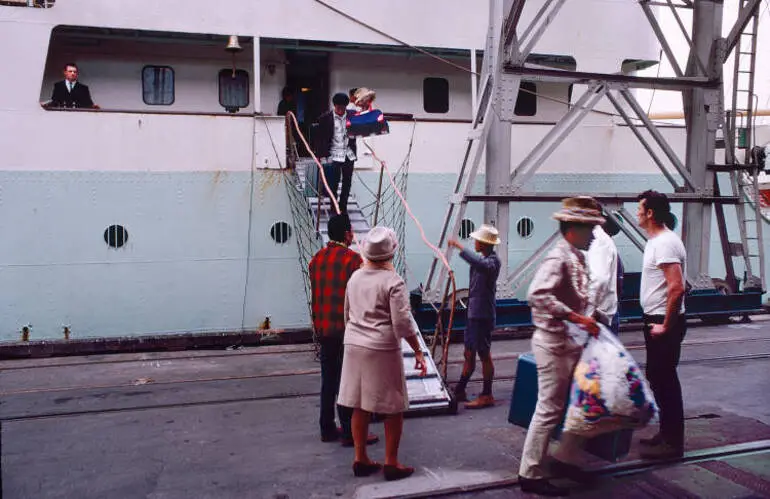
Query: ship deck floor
(243, 423)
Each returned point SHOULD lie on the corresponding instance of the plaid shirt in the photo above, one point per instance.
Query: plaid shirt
(330, 270)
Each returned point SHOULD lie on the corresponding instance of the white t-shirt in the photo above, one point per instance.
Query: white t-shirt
(666, 247)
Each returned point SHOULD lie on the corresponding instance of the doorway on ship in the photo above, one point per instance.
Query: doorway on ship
(307, 75)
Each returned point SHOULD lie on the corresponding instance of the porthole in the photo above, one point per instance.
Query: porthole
(115, 236)
(524, 227)
(280, 232)
(466, 227)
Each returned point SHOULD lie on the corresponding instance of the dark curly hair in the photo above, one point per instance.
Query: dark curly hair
(660, 206)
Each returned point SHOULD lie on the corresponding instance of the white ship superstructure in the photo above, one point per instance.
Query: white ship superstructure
(165, 209)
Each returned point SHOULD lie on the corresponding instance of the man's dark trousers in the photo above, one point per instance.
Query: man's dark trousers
(331, 370)
(345, 170)
(662, 359)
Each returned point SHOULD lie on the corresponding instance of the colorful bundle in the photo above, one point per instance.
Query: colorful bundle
(609, 391)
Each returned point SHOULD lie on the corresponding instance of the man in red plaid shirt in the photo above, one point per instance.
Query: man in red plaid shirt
(330, 270)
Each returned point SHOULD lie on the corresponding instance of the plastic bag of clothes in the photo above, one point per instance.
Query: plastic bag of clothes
(609, 391)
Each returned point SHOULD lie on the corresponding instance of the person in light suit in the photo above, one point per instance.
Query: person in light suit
(70, 92)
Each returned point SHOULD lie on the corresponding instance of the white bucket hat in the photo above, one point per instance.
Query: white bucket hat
(380, 244)
(487, 235)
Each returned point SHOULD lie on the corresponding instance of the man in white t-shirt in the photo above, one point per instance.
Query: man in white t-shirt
(662, 298)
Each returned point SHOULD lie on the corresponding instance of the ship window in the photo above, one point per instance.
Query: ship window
(526, 102)
(524, 227)
(435, 95)
(280, 232)
(115, 236)
(233, 89)
(158, 85)
(466, 227)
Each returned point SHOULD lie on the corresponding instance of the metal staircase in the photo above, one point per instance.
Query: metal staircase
(322, 210)
(745, 181)
(311, 216)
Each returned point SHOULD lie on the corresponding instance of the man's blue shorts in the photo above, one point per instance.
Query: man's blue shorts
(478, 335)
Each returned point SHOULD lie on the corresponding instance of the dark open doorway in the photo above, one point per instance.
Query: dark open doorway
(307, 75)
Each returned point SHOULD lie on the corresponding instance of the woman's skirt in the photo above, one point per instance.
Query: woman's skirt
(373, 380)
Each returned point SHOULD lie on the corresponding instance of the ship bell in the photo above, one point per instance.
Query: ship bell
(233, 45)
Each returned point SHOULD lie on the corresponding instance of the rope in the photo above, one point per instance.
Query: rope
(393, 38)
(437, 251)
(451, 283)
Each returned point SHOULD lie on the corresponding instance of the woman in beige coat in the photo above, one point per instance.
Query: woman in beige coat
(377, 317)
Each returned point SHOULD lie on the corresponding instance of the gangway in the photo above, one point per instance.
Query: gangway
(426, 394)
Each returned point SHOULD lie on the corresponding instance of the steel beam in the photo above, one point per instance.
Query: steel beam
(643, 141)
(659, 139)
(686, 5)
(636, 238)
(527, 264)
(686, 35)
(556, 135)
(584, 78)
(498, 147)
(677, 197)
(530, 42)
(512, 22)
(661, 38)
(701, 137)
(744, 17)
(464, 189)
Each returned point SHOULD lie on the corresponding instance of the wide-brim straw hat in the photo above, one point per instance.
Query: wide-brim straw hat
(487, 235)
(380, 244)
(362, 94)
(580, 209)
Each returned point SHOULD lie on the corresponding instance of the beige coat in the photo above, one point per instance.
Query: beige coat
(377, 311)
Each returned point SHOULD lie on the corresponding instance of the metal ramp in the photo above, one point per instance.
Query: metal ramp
(426, 393)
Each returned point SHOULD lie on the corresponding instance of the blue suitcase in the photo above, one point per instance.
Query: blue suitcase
(367, 124)
(524, 396)
(610, 447)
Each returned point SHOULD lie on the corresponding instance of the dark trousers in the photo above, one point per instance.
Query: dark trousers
(662, 359)
(331, 369)
(343, 170)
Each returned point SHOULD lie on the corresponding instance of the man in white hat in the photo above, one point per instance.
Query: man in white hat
(481, 313)
(559, 292)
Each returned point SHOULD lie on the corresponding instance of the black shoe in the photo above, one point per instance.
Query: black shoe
(397, 473)
(366, 469)
(461, 396)
(657, 439)
(572, 472)
(542, 486)
(331, 436)
(662, 451)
